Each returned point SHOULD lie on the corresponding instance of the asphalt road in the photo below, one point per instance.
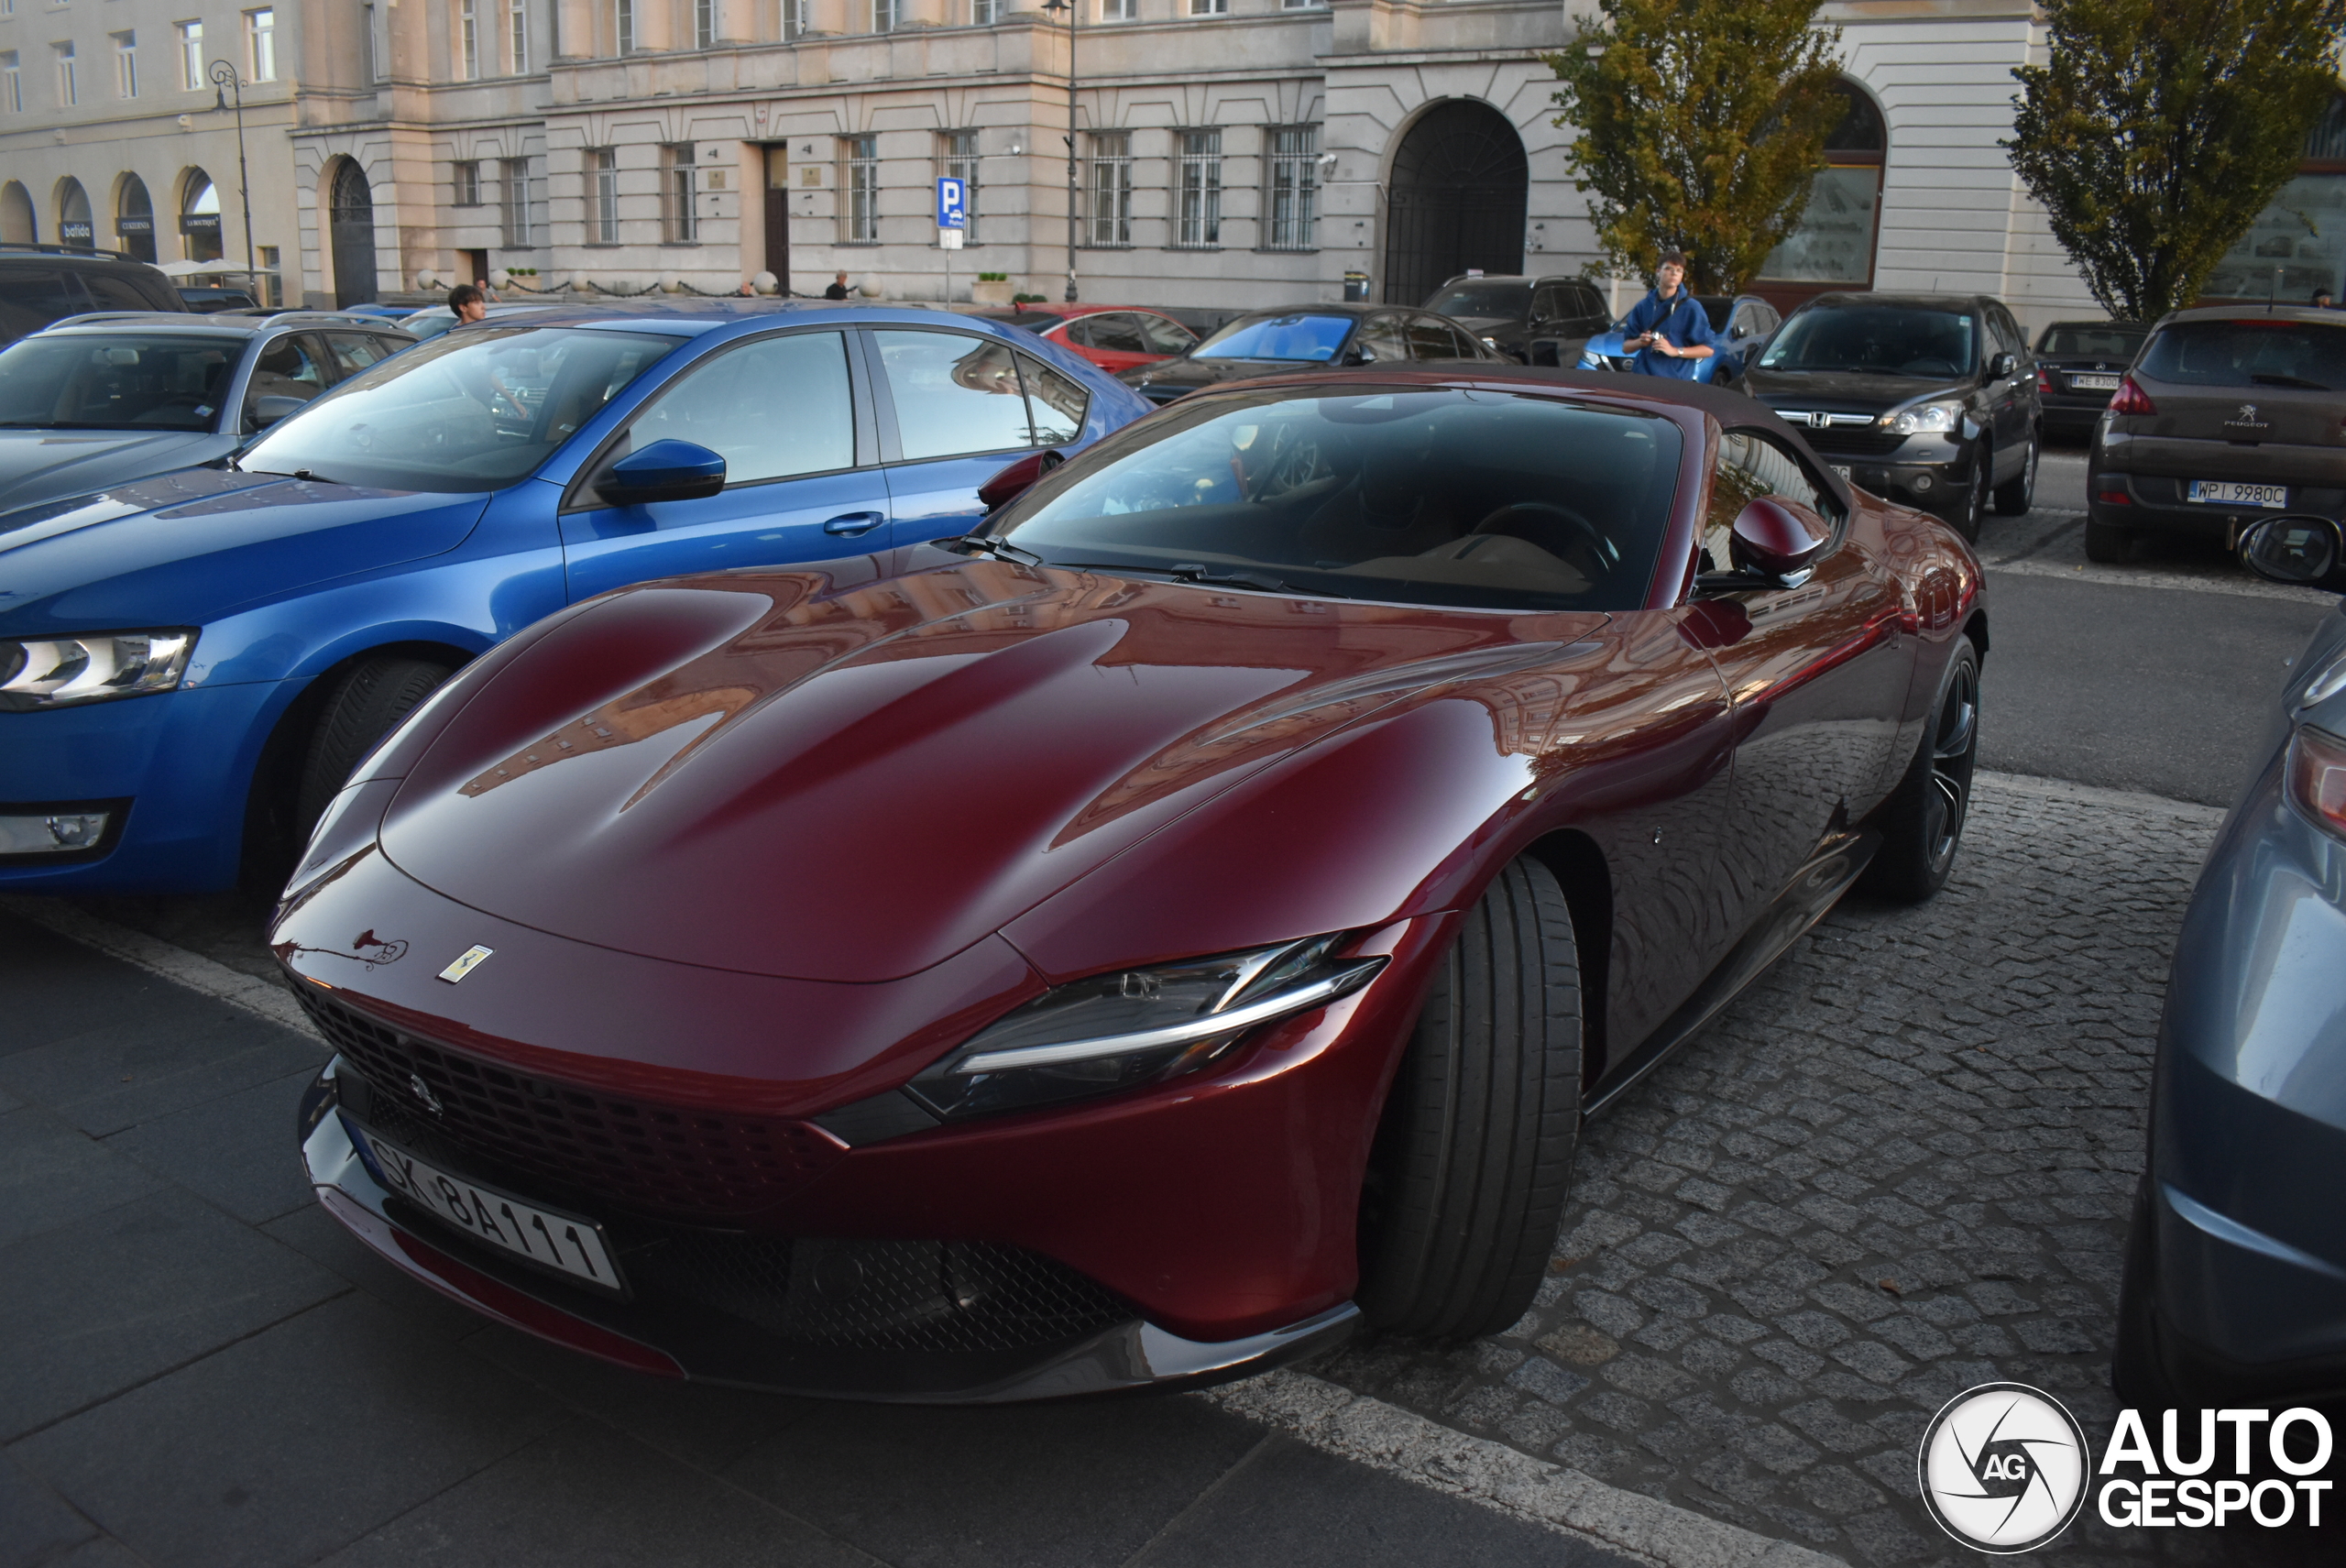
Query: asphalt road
(2157, 676)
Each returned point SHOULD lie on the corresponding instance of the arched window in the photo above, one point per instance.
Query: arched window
(2297, 244)
(73, 225)
(20, 222)
(133, 218)
(199, 217)
(1833, 246)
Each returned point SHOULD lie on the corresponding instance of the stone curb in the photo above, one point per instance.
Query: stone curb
(255, 996)
(1370, 1432)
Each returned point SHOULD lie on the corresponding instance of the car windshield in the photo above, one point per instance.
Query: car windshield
(1483, 298)
(115, 381)
(470, 410)
(2248, 353)
(1477, 499)
(2093, 341)
(1885, 340)
(1306, 338)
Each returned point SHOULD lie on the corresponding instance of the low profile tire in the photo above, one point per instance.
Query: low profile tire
(1474, 1157)
(2108, 543)
(369, 699)
(2017, 494)
(1924, 826)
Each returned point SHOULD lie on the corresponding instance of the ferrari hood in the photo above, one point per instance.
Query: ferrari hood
(184, 548)
(39, 466)
(830, 775)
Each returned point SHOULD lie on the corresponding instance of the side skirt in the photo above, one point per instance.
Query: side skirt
(1813, 890)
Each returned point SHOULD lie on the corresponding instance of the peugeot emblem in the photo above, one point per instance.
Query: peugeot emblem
(424, 1092)
(2248, 413)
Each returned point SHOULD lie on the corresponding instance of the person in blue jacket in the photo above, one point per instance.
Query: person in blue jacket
(1671, 333)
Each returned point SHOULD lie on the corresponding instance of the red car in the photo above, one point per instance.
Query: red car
(1137, 942)
(1115, 337)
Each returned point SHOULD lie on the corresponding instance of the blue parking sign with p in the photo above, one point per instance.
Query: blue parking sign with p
(952, 202)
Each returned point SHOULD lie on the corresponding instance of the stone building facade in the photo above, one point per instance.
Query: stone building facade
(1228, 153)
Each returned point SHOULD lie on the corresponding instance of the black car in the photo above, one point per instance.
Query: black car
(103, 400)
(1532, 321)
(2078, 366)
(1267, 342)
(43, 283)
(1929, 400)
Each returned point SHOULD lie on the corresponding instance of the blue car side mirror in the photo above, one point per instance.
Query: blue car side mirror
(664, 471)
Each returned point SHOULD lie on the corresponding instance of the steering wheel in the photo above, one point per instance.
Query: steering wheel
(1529, 520)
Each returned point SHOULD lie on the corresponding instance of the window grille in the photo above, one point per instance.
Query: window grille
(679, 183)
(515, 184)
(126, 65)
(603, 193)
(1293, 201)
(859, 218)
(958, 151)
(1112, 188)
(1198, 189)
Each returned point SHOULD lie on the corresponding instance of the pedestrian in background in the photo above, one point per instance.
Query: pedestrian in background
(2322, 300)
(1671, 333)
(466, 303)
(837, 291)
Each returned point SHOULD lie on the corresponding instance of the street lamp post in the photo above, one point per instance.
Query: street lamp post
(226, 80)
(1073, 8)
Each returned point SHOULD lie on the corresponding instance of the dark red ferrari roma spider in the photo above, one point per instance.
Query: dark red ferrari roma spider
(1141, 941)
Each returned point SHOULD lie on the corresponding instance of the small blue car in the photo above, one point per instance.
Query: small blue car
(190, 665)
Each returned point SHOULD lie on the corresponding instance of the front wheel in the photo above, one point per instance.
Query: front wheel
(371, 698)
(1965, 510)
(2016, 495)
(1473, 1159)
(1924, 826)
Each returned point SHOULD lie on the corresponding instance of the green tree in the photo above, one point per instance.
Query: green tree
(2158, 130)
(1701, 126)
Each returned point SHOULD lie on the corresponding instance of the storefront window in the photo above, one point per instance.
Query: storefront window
(1833, 246)
(2297, 244)
(200, 218)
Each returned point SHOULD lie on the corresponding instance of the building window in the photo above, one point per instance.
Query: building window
(795, 23)
(466, 184)
(1112, 188)
(1198, 187)
(12, 84)
(467, 41)
(2296, 244)
(1119, 10)
(859, 217)
(603, 193)
(191, 57)
(885, 15)
(126, 65)
(678, 184)
(622, 27)
(374, 45)
(515, 188)
(957, 153)
(1303, 5)
(272, 267)
(260, 44)
(1832, 247)
(1208, 7)
(704, 23)
(517, 36)
(68, 88)
(985, 12)
(1293, 201)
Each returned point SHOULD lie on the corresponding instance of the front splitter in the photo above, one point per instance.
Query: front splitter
(711, 1347)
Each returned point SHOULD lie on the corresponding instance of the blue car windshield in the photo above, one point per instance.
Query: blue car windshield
(1475, 499)
(139, 381)
(476, 410)
(1310, 339)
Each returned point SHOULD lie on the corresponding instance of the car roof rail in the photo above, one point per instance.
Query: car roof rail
(173, 318)
(35, 247)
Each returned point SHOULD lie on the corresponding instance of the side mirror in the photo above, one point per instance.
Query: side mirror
(2000, 367)
(1015, 480)
(266, 411)
(1777, 541)
(664, 471)
(2303, 551)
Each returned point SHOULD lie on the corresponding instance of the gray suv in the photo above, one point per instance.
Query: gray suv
(44, 283)
(106, 398)
(1531, 320)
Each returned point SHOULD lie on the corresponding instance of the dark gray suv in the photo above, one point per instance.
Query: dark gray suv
(44, 283)
(1531, 320)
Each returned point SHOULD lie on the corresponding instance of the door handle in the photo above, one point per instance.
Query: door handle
(852, 523)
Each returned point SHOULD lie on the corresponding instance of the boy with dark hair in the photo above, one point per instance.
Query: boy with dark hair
(1671, 333)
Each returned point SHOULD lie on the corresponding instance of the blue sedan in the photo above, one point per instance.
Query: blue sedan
(190, 665)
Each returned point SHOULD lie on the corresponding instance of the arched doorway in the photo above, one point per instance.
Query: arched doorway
(1833, 246)
(1456, 200)
(19, 223)
(74, 227)
(199, 217)
(350, 233)
(133, 218)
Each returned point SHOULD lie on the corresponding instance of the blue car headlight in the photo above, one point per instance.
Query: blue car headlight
(1129, 1027)
(59, 672)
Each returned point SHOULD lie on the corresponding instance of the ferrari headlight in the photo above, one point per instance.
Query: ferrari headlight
(1129, 1027)
(1922, 418)
(56, 672)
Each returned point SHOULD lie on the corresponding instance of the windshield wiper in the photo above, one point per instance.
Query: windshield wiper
(2264, 381)
(1195, 572)
(991, 543)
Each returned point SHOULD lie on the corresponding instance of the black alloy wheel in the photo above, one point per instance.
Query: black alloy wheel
(1923, 826)
(2016, 495)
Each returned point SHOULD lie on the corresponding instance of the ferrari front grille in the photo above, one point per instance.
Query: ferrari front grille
(647, 1157)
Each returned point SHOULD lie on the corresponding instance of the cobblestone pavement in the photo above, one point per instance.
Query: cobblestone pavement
(1899, 1166)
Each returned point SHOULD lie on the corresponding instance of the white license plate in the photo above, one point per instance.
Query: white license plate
(1840, 468)
(548, 1238)
(2093, 383)
(2223, 493)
